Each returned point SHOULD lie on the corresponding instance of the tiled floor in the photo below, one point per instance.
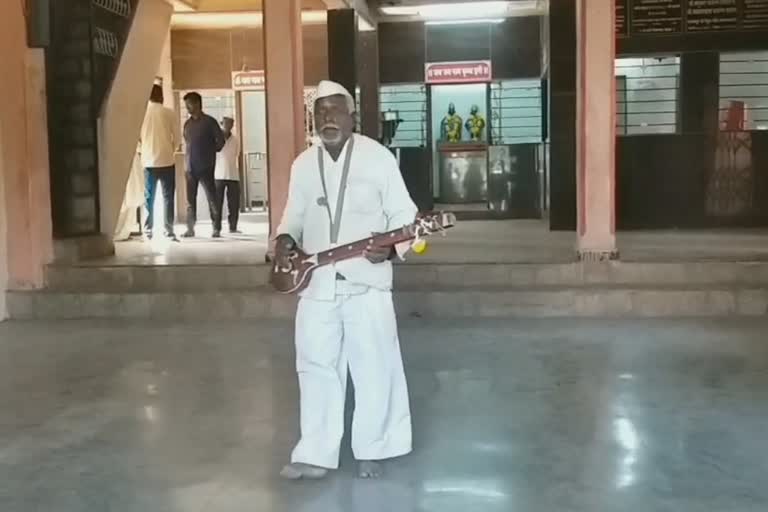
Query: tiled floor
(592, 416)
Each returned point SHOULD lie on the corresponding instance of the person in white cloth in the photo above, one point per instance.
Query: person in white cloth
(227, 174)
(345, 318)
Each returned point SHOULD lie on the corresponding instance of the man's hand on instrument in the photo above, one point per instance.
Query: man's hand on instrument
(377, 253)
(285, 246)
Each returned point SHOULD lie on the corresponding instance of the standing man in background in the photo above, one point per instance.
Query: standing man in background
(160, 137)
(228, 176)
(204, 139)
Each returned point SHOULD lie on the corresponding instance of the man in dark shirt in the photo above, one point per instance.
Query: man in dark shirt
(204, 139)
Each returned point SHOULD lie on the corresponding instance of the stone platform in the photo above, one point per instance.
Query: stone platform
(622, 289)
(481, 269)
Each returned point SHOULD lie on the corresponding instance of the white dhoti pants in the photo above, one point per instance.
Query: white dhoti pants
(358, 332)
(133, 199)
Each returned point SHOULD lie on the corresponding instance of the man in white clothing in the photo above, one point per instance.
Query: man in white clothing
(227, 174)
(345, 318)
(160, 137)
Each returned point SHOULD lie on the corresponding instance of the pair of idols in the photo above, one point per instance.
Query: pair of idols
(451, 128)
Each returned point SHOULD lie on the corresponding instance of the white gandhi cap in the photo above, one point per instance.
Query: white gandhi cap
(327, 88)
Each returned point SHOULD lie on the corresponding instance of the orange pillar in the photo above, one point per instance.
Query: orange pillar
(25, 211)
(596, 130)
(284, 66)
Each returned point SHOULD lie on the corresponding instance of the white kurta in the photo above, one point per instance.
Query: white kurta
(349, 325)
(376, 200)
(226, 160)
(160, 136)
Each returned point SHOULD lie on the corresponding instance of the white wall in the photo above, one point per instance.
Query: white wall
(165, 72)
(123, 114)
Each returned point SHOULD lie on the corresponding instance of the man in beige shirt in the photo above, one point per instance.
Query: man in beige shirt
(160, 136)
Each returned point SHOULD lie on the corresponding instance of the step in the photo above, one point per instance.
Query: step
(244, 277)
(445, 302)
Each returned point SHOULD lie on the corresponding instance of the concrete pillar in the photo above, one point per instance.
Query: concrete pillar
(596, 130)
(342, 48)
(368, 78)
(353, 61)
(39, 207)
(562, 114)
(25, 207)
(284, 66)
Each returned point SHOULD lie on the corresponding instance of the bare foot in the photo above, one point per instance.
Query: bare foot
(297, 471)
(370, 469)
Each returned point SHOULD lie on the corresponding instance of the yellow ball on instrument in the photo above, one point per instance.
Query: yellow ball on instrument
(419, 246)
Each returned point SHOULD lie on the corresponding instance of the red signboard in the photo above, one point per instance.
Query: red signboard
(248, 80)
(458, 72)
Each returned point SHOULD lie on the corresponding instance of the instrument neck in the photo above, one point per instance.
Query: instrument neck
(356, 249)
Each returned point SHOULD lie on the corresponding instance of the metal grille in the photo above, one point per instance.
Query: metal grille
(105, 42)
(410, 103)
(744, 91)
(119, 7)
(310, 93)
(731, 184)
(516, 112)
(647, 92)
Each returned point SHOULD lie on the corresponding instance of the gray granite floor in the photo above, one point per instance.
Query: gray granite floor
(509, 416)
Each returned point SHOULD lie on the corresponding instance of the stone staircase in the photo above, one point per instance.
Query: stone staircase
(88, 36)
(212, 292)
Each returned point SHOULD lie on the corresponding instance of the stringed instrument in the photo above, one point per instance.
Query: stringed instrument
(295, 275)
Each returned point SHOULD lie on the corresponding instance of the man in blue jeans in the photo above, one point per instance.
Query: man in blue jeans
(204, 139)
(160, 136)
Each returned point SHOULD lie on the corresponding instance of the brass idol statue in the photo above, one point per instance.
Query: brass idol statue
(475, 125)
(450, 127)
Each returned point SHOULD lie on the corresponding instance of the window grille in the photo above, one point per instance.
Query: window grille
(744, 91)
(647, 91)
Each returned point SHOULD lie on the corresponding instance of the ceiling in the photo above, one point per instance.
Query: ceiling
(227, 14)
(383, 3)
(409, 10)
(211, 14)
(236, 5)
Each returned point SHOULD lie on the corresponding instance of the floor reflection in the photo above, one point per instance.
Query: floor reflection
(566, 415)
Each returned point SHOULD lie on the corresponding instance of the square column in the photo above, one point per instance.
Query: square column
(342, 48)
(284, 69)
(368, 79)
(560, 28)
(353, 61)
(25, 206)
(596, 130)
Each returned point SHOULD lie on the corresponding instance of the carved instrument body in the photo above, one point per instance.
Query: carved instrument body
(295, 275)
